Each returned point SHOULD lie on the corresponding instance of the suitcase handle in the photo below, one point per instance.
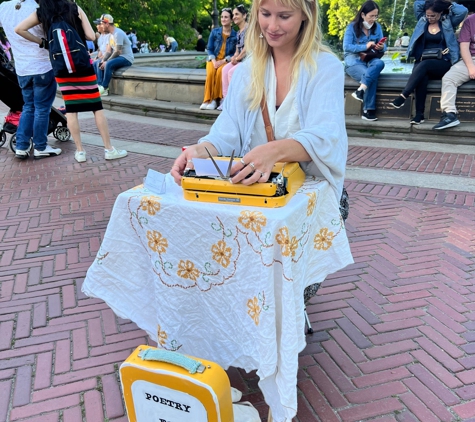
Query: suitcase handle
(191, 365)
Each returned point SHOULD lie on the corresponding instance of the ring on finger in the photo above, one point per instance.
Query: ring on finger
(242, 162)
(262, 174)
(252, 166)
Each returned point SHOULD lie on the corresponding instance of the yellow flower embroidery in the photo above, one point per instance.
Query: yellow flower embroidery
(254, 311)
(156, 242)
(312, 200)
(186, 269)
(150, 204)
(253, 220)
(289, 246)
(323, 240)
(221, 253)
(161, 336)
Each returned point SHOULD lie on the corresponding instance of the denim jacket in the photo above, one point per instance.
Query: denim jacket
(352, 45)
(448, 23)
(216, 40)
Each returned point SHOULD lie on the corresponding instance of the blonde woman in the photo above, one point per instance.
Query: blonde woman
(302, 82)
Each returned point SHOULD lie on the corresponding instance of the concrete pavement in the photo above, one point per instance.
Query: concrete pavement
(394, 333)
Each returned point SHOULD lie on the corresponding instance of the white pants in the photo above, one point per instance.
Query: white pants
(456, 76)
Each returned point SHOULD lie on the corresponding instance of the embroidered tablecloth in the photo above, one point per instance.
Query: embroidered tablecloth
(222, 282)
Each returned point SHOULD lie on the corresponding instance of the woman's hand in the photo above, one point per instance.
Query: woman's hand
(257, 166)
(370, 44)
(184, 160)
(234, 60)
(379, 46)
(218, 63)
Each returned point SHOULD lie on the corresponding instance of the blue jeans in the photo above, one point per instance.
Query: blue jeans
(368, 74)
(38, 94)
(104, 76)
(173, 46)
(95, 65)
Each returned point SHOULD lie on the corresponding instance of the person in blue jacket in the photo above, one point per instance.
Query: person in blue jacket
(362, 34)
(435, 30)
(221, 47)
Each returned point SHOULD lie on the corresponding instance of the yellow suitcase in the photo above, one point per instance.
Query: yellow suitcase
(158, 388)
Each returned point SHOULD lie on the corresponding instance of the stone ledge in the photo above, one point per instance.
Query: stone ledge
(385, 128)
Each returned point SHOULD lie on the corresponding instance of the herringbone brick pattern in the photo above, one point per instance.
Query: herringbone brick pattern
(394, 333)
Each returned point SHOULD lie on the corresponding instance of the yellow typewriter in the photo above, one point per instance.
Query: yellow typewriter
(284, 180)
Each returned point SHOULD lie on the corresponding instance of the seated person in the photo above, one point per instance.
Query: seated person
(221, 47)
(119, 54)
(459, 73)
(435, 30)
(171, 43)
(239, 19)
(362, 34)
(305, 101)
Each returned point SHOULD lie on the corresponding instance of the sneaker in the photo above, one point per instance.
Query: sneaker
(80, 156)
(115, 153)
(369, 115)
(47, 152)
(220, 108)
(203, 106)
(447, 120)
(358, 95)
(23, 153)
(212, 105)
(103, 91)
(398, 102)
(417, 119)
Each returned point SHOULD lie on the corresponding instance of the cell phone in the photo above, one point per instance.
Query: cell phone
(383, 40)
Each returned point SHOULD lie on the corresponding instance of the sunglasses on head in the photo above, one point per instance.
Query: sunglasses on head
(227, 9)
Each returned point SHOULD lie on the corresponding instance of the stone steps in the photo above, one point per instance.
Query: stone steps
(384, 128)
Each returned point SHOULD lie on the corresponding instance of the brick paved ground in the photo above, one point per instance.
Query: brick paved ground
(394, 333)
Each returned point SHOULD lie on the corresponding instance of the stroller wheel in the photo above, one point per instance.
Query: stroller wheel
(13, 143)
(3, 138)
(62, 133)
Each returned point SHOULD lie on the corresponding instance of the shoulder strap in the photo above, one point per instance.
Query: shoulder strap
(267, 123)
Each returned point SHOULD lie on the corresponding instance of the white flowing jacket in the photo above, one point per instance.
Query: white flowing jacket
(319, 99)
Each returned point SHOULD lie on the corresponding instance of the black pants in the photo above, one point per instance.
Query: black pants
(422, 72)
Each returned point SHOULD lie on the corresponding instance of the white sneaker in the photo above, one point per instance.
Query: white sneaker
(80, 156)
(212, 105)
(47, 152)
(220, 108)
(103, 91)
(203, 106)
(22, 153)
(115, 153)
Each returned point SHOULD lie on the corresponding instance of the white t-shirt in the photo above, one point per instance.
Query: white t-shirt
(29, 58)
(405, 41)
(102, 42)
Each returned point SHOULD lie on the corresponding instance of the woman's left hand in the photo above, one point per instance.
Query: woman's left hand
(379, 46)
(256, 166)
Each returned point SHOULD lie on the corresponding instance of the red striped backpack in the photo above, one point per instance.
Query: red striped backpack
(67, 51)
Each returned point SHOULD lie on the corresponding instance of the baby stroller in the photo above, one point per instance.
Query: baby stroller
(11, 96)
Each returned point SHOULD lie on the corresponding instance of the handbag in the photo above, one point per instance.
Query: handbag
(432, 53)
(371, 54)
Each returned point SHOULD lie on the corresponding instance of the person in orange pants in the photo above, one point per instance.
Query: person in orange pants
(221, 47)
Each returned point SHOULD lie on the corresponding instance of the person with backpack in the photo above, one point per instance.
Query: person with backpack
(68, 28)
(35, 78)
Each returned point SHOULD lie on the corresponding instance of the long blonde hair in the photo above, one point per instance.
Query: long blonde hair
(309, 41)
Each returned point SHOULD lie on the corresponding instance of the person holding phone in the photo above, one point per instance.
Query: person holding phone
(363, 34)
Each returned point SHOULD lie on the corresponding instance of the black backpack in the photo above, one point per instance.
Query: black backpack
(67, 51)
